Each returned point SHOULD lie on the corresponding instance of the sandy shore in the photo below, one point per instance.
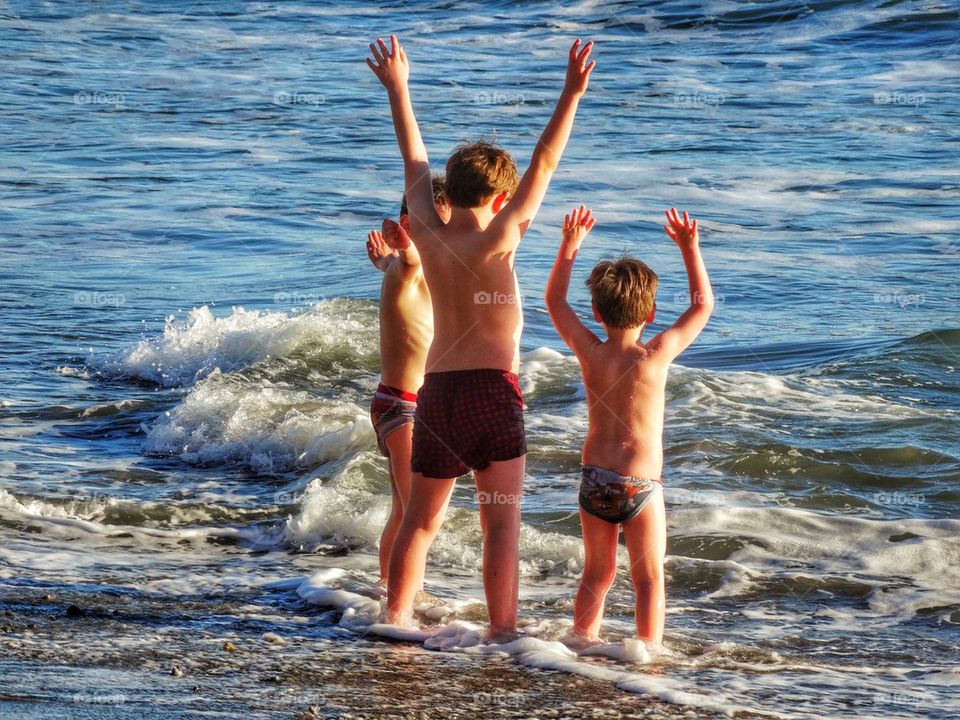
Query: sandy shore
(115, 655)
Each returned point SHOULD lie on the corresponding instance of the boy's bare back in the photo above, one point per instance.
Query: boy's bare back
(406, 326)
(470, 271)
(625, 378)
(468, 262)
(625, 399)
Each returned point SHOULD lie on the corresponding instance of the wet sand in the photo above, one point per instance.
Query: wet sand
(115, 655)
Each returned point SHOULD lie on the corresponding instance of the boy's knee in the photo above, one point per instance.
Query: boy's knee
(601, 576)
(422, 522)
(648, 577)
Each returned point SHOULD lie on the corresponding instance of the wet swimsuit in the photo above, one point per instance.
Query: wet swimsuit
(391, 408)
(614, 497)
(467, 419)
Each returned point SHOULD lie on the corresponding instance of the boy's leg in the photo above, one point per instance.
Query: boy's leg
(421, 523)
(399, 443)
(646, 537)
(599, 571)
(500, 490)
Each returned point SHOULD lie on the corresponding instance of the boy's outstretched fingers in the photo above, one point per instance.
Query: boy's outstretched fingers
(578, 70)
(394, 235)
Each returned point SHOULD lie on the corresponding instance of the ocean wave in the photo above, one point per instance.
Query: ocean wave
(339, 331)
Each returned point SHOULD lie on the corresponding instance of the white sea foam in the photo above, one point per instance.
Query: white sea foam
(343, 508)
(192, 349)
(268, 428)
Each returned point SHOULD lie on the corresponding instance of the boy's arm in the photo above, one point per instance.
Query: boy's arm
(519, 212)
(676, 338)
(392, 69)
(575, 334)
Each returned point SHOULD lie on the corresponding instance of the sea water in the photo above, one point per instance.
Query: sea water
(190, 346)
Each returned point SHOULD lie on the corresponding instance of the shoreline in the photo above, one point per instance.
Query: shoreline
(101, 655)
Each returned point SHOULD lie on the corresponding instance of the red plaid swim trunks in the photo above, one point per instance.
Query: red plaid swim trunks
(391, 408)
(465, 420)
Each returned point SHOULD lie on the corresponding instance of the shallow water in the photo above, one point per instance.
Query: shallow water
(190, 325)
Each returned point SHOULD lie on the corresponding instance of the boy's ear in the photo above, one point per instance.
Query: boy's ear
(596, 315)
(405, 223)
(652, 315)
(499, 201)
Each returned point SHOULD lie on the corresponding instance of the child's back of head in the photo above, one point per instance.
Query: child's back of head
(479, 171)
(623, 291)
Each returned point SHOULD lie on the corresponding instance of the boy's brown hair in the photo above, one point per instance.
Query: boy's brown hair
(439, 195)
(478, 171)
(623, 292)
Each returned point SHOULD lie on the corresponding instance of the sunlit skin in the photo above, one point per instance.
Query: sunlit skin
(625, 380)
(471, 254)
(406, 329)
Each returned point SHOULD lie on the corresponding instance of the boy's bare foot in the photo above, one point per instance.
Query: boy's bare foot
(499, 636)
(378, 251)
(578, 642)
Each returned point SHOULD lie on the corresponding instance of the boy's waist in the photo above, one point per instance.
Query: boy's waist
(472, 356)
(394, 393)
(471, 372)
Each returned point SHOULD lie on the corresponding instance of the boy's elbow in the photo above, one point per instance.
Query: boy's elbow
(544, 161)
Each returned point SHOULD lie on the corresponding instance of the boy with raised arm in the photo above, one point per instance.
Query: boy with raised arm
(470, 410)
(406, 328)
(625, 380)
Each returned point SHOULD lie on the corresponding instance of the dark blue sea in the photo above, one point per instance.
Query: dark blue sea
(189, 346)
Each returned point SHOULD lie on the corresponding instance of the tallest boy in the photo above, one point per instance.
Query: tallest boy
(470, 410)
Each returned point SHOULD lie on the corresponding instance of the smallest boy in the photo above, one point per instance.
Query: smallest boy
(625, 380)
(406, 331)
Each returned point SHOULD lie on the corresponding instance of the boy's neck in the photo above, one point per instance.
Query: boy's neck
(625, 337)
(468, 219)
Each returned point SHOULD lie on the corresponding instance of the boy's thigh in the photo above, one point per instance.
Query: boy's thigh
(646, 534)
(400, 444)
(600, 540)
(428, 497)
(500, 488)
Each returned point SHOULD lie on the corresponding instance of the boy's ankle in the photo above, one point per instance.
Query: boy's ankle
(498, 636)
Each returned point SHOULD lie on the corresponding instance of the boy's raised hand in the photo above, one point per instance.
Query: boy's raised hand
(389, 64)
(681, 230)
(576, 225)
(394, 235)
(377, 250)
(578, 69)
